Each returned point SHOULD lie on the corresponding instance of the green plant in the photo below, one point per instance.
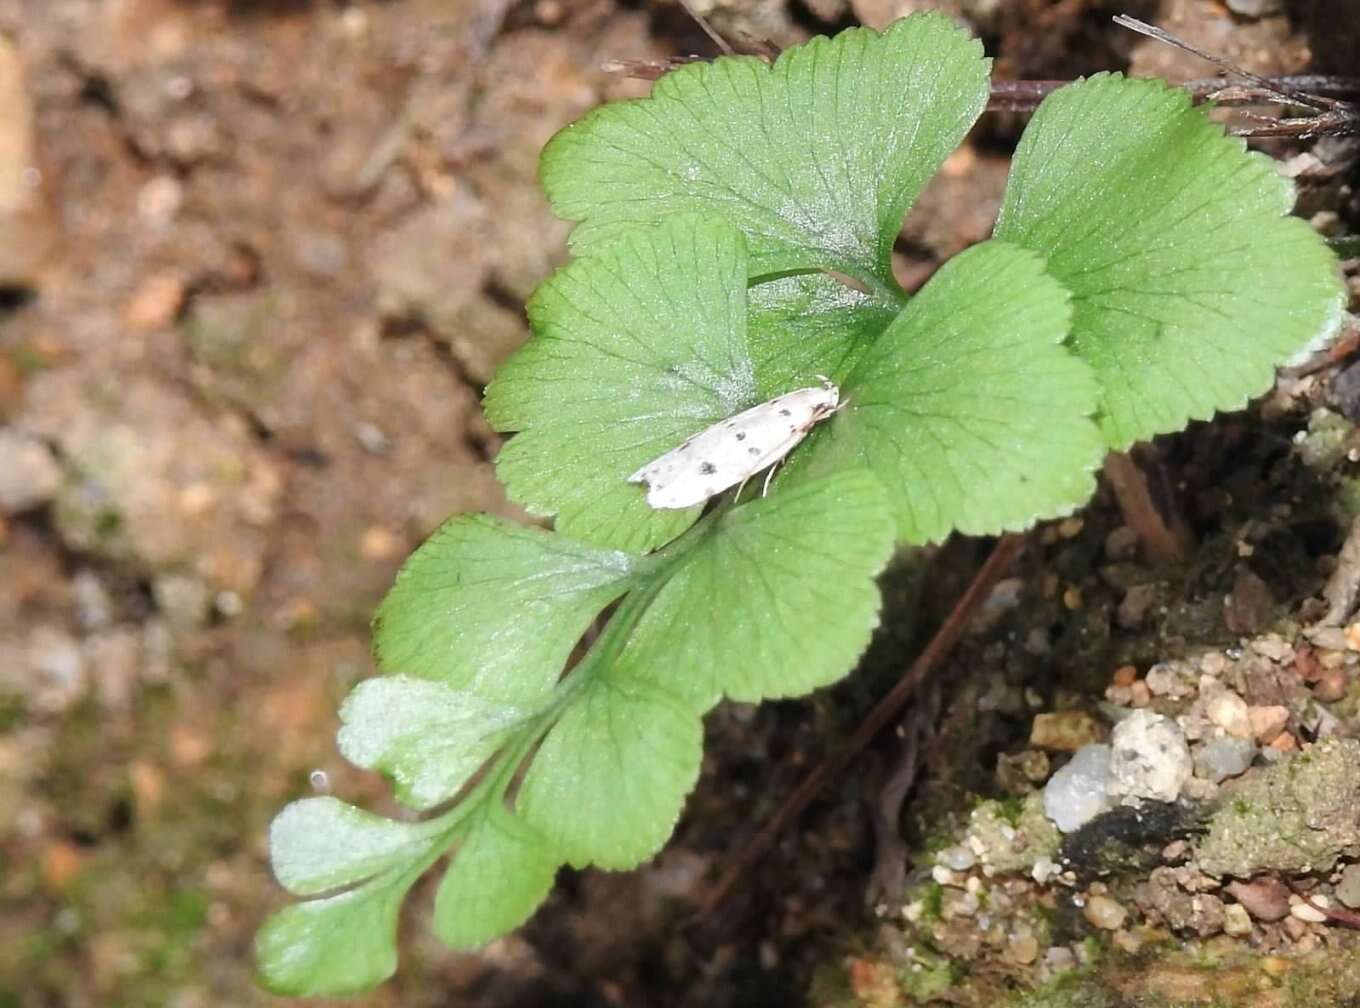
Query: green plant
(733, 240)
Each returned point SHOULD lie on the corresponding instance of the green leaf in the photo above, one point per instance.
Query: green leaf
(427, 737)
(811, 324)
(501, 873)
(792, 576)
(607, 785)
(494, 608)
(635, 348)
(968, 409)
(319, 844)
(815, 158)
(1189, 282)
(336, 946)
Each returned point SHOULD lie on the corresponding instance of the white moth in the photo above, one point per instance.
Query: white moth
(735, 449)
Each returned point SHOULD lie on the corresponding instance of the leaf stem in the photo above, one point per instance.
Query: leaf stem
(1165, 537)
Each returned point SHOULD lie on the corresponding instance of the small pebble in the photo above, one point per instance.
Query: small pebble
(94, 608)
(1352, 635)
(1043, 870)
(1175, 850)
(1266, 899)
(1348, 889)
(1149, 758)
(1306, 911)
(1294, 927)
(1064, 731)
(943, 876)
(1105, 913)
(1125, 675)
(1060, 959)
(1139, 694)
(1134, 607)
(1127, 941)
(1078, 792)
(1120, 696)
(1070, 528)
(1213, 663)
(1024, 947)
(379, 543)
(1328, 638)
(1170, 679)
(1267, 722)
(1274, 647)
(1333, 659)
(957, 858)
(29, 473)
(156, 303)
(1121, 543)
(1222, 758)
(1229, 712)
(1331, 686)
(1306, 664)
(1283, 743)
(1236, 920)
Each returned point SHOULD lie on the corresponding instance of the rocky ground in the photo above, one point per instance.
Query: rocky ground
(257, 260)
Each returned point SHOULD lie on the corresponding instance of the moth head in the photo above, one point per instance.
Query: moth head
(829, 403)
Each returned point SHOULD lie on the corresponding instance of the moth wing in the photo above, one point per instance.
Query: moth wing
(660, 466)
(690, 474)
(732, 450)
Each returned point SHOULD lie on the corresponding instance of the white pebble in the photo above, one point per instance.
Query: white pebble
(959, 858)
(1229, 712)
(1148, 758)
(1105, 913)
(1305, 912)
(1043, 870)
(1077, 793)
(943, 876)
(1236, 920)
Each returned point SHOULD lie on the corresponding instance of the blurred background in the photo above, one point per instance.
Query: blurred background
(257, 260)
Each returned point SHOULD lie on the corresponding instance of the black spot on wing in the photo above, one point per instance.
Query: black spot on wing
(708, 468)
(741, 435)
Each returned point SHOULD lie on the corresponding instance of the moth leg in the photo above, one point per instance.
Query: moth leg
(769, 475)
(740, 487)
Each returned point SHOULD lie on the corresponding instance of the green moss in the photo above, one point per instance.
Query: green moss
(932, 901)
(107, 524)
(1297, 816)
(929, 977)
(1011, 808)
(11, 712)
(27, 360)
(1076, 988)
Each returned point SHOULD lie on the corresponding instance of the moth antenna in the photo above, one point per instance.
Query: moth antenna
(707, 28)
(1162, 35)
